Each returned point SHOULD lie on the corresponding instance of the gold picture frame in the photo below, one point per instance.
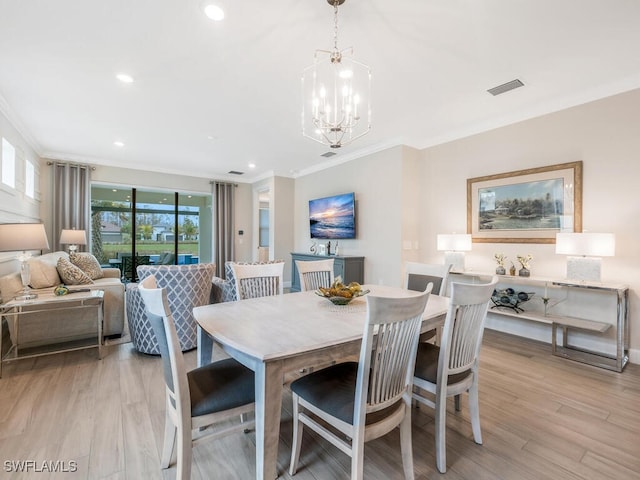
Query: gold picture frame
(525, 206)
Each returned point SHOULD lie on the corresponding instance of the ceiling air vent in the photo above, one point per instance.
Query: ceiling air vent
(505, 87)
(328, 154)
(235, 172)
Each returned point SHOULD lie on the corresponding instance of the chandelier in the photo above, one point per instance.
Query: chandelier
(336, 92)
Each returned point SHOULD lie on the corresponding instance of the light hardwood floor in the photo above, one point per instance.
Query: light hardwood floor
(543, 417)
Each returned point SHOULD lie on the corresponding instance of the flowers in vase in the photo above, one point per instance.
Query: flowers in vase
(525, 260)
(500, 258)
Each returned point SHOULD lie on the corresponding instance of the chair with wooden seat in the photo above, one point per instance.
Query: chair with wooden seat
(197, 399)
(452, 368)
(315, 273)
(258, 280)
(367, 399)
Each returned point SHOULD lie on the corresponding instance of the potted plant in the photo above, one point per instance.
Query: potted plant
(525, 261)
(500, 259)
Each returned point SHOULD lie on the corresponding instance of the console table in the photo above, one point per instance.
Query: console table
(350, 268)
(568, 305)
(15, 311)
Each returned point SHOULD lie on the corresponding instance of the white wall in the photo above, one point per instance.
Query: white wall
(377, 183)
(15, 206)
(603, 134)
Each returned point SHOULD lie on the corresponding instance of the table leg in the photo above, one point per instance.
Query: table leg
(205, 347)
(268, 405)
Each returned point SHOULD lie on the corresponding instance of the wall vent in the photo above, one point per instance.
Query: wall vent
(328, 154)
(235, 172)
(505, 87)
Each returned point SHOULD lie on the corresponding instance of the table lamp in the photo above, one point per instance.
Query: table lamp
(454, 245)
(23, 237)
(73, 238)
(584, 250)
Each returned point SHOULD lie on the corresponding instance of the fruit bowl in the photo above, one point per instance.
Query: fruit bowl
(338, 300)
(340, 294)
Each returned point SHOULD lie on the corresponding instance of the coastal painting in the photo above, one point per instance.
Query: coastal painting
(525, 206)
(333, 217)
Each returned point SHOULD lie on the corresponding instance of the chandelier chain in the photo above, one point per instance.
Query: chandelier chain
(335, 26)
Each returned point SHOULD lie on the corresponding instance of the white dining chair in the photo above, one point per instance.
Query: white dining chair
(195, 400)
(364, 400)
(315, 273)
(418, 275)
(452, 368)
(258, 280)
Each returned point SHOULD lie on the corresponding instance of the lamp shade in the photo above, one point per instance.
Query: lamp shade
(73, 237)
(457, 242)
(586, 244)
(16, 237)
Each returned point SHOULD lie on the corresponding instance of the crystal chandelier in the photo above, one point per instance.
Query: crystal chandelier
(336, 92)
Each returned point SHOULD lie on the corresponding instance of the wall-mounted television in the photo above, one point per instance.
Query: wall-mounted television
(333, 217)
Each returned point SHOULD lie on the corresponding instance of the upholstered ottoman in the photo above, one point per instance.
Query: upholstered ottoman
(188, 286)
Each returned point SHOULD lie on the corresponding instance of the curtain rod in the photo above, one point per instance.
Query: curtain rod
(49, 163)
(211, 182)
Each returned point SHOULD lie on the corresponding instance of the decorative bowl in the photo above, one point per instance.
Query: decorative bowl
(337, 300)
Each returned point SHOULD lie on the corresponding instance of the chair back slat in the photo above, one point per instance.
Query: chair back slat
(388, 351)
(464, 326)
(315, 274)
(258, 280)
(161, 319)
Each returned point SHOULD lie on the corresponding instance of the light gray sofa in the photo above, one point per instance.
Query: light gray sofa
(65, 325)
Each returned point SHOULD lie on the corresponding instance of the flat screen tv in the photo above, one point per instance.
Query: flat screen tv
(333, 217)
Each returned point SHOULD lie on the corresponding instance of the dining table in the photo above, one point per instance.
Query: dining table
(283, 335)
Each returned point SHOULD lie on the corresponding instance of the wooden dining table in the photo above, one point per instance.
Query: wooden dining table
(284, 334)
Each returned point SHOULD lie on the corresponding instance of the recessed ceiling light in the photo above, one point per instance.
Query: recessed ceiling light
(252, 165)
(124, 78)
(114, 190)
(118, 144)
(214, 12)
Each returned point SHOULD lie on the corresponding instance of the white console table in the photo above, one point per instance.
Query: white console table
(562, 312)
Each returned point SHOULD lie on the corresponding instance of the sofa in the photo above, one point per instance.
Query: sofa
(188, 286)
(65, 325)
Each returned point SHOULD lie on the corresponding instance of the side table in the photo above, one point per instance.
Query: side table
(15, 310)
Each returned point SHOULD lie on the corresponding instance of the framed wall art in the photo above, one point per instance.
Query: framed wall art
(525, 206)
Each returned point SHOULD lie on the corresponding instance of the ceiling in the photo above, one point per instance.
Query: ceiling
(210, 97)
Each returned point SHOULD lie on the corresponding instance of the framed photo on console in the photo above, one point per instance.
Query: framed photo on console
(525, 206)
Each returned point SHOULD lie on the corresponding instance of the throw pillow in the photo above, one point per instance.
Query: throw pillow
(70, 274)
(88, 264)
(43, 273)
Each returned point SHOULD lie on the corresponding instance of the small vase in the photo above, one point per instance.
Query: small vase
(500, 270)
(524, 272)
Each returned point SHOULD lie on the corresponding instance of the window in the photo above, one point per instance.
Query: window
(30, 179)
(8, 164)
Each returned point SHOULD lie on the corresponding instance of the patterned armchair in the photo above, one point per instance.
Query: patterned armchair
(224, 290)
(188, 286)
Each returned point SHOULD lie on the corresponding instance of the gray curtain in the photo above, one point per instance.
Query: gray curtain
(71, 200)
(223, 224)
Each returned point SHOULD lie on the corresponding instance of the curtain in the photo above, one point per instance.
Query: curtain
(223, 224)
(71, 200)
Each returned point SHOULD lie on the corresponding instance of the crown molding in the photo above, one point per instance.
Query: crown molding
(15, 121)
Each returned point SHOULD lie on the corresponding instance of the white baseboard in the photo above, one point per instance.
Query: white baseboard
(634, 356)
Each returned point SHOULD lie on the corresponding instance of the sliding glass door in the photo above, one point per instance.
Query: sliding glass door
(135, 226)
